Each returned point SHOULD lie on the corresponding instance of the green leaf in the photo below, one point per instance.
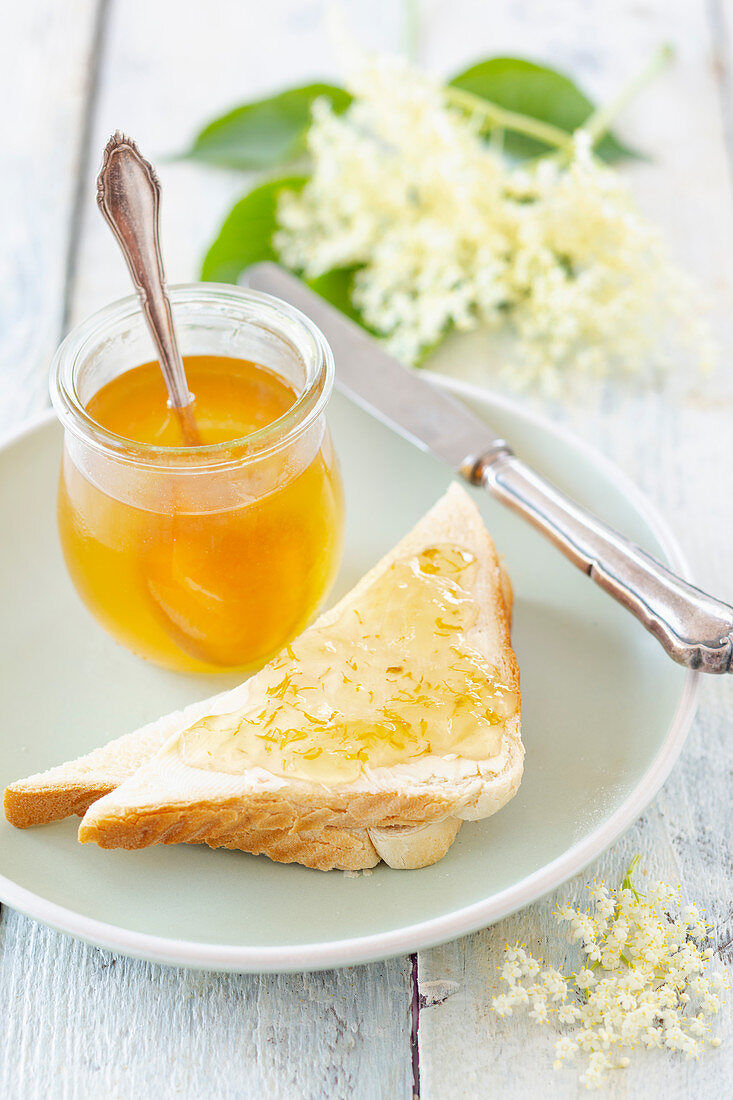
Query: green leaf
(267, 133)
(541, 93)
(336, 286)
(246, 236)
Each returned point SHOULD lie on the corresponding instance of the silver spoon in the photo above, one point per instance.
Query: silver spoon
(128, 194)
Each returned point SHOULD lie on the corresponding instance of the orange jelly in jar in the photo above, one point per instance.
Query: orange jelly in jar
(210, 557)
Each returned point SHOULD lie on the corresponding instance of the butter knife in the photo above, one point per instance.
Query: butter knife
(695, 629)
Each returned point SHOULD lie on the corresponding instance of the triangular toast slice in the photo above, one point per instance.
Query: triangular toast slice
(243, 770)
(71, 788)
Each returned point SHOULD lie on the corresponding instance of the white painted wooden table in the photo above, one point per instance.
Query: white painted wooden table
(80, 1023)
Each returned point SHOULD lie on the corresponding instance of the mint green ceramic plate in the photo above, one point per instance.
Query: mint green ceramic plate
(604, 717)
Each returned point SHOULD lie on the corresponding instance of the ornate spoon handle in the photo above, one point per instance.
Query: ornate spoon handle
(128, 194)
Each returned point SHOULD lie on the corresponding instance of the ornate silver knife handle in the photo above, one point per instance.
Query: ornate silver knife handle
(695, 629)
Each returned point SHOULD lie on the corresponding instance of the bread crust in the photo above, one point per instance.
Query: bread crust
(26, 805)
(322, 850)
(408, 849)
(224, 826)
(208, 818)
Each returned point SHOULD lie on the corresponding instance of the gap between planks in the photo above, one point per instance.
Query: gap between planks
(415, 1026)
(721, 28)
(84, 158)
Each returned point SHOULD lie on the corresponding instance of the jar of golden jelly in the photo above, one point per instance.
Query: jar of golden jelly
(209, 557)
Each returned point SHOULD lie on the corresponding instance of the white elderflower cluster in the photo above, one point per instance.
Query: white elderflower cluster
(646, 980)
(446, 234)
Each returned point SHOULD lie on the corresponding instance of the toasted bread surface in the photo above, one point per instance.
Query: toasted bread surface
(167, 800)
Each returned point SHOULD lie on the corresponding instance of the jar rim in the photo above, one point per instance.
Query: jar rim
(307, 407)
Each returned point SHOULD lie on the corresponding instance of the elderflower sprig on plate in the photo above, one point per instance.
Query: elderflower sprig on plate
(646, 980)
(444, 233)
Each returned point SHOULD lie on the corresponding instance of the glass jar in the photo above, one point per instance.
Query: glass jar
(212, 557)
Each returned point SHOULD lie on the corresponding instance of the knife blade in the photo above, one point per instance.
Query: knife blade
(695, 629)
(376, 381)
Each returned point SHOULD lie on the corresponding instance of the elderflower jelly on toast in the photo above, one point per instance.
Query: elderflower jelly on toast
(395, 678)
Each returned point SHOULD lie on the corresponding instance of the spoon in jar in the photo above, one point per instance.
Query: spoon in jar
(128, 194)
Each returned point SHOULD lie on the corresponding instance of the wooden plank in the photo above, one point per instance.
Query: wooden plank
(44, 82)
(172, 67)
(674, 443)
(82, 1022)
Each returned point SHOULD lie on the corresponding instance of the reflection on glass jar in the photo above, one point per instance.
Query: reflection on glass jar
(210, 557)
